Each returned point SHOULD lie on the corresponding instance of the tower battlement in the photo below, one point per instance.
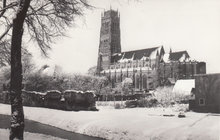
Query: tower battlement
(110, 13)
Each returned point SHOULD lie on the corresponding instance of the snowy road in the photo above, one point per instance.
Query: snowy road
(36, 127)
(129, 124)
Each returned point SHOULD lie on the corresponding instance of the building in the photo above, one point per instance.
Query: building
(147, 68)
(206, 93)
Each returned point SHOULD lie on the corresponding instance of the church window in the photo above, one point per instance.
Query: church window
(140, 65)
(144, 81)
(105, 58)
(137, 82)
(153, 66)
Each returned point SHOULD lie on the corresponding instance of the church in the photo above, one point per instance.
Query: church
(147, 68)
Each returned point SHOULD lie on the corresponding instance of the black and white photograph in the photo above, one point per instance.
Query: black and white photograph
(109, 70)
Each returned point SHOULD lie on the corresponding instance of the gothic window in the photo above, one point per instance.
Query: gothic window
(137, 63)
(106, 24)
(153, 66)
(151, 85)
(134, 65)
(137, 82)
(144, 82)
(140, 65)
(113, 26)
(105, 58)
(141, 82)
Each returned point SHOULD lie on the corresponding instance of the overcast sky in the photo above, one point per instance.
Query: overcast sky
(192, 25)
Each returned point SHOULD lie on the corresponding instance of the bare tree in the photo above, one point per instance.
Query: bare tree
(42, 21)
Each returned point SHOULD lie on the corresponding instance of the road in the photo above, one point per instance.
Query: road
(36, 127)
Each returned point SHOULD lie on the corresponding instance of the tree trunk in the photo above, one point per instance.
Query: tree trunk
(17, 114)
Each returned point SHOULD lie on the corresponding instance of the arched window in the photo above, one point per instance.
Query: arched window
(144, 82)
(137, 80)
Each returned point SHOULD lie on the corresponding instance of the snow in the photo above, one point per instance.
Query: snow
(145, 68)
(125, 59)
(166, 58)
(53, 91)
(153, 55)
(182, 58)
(75, 91)
(184, 86)
(129, 124)
(4, 135)
(127, 80)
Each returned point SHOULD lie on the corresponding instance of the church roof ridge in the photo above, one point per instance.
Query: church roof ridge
(179, 51)
(135, 54)
(142, 49)
(175, 56)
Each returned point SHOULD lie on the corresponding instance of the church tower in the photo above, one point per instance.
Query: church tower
(110, 42)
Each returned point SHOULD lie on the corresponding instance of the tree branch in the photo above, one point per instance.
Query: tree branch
(6, 32)
(3, 10)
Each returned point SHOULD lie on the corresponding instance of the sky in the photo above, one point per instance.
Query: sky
(192, 25)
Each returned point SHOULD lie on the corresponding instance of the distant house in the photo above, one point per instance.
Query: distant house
(207, 93)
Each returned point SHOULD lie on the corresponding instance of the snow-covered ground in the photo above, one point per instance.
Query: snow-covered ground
(4, 135)
(129, 124)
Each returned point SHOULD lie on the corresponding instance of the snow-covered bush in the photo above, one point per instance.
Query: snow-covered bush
(119, 106)
(144, 102)
(131, 104)
(79, 100)
(53, 99)
(148, 102)
(53, 94)
(166, 97)
(32, 98)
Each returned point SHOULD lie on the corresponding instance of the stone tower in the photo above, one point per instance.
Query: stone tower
(110, 42)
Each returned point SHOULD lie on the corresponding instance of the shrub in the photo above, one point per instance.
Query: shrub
(148, 102)
(118, 106)
(144, 102)
(131, 104)
(78, 100)
(52, 99)
(53, 94)
(166, 97)
(32, 98)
